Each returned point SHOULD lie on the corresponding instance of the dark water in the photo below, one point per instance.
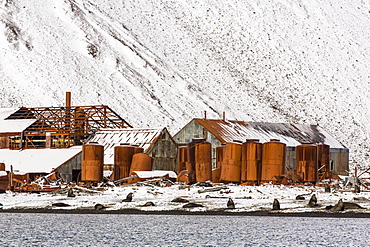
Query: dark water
(163, 230)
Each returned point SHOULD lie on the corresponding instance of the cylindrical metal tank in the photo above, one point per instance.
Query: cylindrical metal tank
(251, 160)
(141, 162)
(323, 159)
(183, 158)
(306, 158)
(203, 162)
(2, 167)
(231, 165)
(92, 162)
(273, 160)
(122, 160)
(190, 164)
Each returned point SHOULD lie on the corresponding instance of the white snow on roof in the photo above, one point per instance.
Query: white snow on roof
(15, 125)
(155, 174)
(110, 138)
(6, 112)
(37, 160)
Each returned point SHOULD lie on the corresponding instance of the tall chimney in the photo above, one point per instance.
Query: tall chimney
(223, 116)
(205, 115)
(68, 99)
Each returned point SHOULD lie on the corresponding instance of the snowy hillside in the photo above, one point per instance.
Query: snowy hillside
(160, 63)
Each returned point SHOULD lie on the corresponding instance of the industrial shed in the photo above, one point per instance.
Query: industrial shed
(217, 132)
(158, 143)
(40, 162)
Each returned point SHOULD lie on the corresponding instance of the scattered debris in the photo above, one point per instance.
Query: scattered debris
(213, 189)
(357, 189)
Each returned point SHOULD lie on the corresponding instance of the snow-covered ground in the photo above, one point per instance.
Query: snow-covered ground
(246, 198)
(160, 63)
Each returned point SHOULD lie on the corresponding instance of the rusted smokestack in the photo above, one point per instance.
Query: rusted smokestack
(205, 115)
(223, 116)
(68, 99)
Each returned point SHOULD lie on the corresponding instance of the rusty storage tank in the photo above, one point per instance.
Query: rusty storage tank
(92, 162)
(203, 162)
(251, 160)
(183, 158)
(323, 159)
(231, 165)
(138, 149)
(190, 164)
(220, 153)
(273, 160)
(122, 160)
(306, 158)
(141, 162)
(2, 167)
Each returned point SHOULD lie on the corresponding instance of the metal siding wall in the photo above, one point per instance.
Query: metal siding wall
(340, 158)
(73, 164)
(164, 153)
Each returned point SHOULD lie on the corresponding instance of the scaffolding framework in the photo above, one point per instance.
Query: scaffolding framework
(63, 126)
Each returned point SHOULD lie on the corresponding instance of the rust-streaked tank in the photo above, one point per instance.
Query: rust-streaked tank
(2, 167)
(306, 158)
(273, 160)
(323, 159)
(190, 164)
(122, 160)
(231, 165)
(216, 173)
(203, 162)
(183, 158)
(251, 160)
(92, 162)
(141, 162)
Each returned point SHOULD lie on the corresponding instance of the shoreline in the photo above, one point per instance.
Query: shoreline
(226, 212)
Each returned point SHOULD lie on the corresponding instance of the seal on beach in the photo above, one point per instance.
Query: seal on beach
(128, 197)
(230, 204)
(192, 205)
(313, 201)
(70, 193)
(99, 207)
(338, 207)
(60, 204)
(148, 204)
(300, 197)
(276, 205)
(181, 200)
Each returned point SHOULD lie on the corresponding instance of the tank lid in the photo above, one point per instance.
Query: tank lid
(125, 144)
(252, 140)
(274, 140)
(237, 141)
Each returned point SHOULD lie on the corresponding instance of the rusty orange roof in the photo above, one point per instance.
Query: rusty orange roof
(291, 134)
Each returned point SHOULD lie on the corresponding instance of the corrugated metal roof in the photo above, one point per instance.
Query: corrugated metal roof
(13, 125)
(37, 160)
(110, 138)
(6, 112)
(290, 134)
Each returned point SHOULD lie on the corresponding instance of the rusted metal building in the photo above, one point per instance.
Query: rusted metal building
(158, 143)
(40, 162)
(218, 131)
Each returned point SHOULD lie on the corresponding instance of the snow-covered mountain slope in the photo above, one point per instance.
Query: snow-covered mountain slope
(160, 63)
